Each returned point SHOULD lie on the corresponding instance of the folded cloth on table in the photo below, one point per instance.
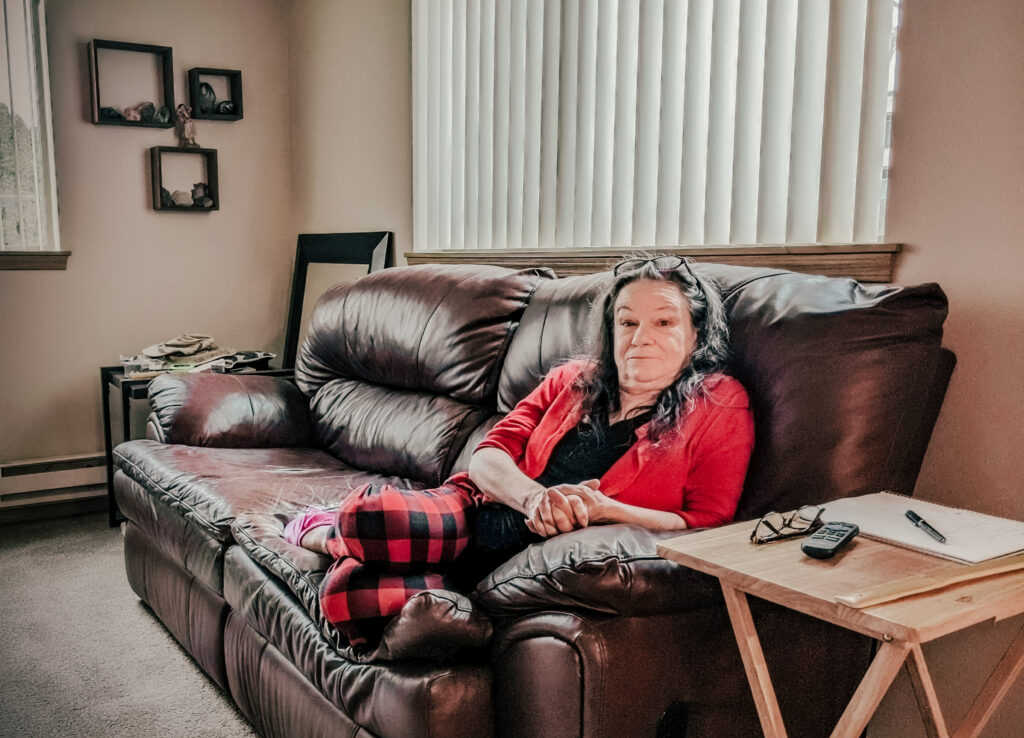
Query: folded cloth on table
(179, 363)
(186, 344)
(240, 360)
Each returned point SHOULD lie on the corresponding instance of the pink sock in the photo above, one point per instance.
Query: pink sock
(314, 517)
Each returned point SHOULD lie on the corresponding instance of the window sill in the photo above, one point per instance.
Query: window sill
(864, 262)
(34, 259)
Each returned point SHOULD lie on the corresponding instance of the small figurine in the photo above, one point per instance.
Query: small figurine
(187, 126)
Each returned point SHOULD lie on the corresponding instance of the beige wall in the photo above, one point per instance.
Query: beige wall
(137, 276)
(957, 201)
(325, 145)
(351, 101)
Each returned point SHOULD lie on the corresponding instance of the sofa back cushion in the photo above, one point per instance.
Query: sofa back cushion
(439, 329)
(553, 328)
(410, 434)
(845, 378)
(402, 364)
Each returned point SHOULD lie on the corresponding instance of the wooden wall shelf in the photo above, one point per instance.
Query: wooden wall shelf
(234, 78)
(209, 156)
(166, 79)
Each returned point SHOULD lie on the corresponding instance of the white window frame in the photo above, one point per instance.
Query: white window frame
(25, 49)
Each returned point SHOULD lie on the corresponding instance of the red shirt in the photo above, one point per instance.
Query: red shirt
(696, 472)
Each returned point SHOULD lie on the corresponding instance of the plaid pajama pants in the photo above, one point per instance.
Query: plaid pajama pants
(388, 544)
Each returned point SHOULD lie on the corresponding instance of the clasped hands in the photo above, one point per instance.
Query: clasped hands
(567, 507)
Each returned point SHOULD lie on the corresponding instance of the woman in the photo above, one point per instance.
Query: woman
(648, 431)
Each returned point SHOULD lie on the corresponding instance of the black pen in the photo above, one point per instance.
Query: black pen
(923, 525)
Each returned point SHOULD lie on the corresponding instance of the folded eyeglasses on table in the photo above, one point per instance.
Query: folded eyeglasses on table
(776, 526)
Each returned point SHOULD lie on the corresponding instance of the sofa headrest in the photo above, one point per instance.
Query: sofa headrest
(843, 377)
(553, 328)
(441, 329)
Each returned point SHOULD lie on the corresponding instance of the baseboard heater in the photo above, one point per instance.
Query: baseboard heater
(58, 479)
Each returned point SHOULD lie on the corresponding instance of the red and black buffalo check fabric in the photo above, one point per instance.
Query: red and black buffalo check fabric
(386, 542)
(360, 601)
(403, 530)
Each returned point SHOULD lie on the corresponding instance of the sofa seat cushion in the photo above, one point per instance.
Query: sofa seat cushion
(439, 625)
(387, 697)
(186, 497)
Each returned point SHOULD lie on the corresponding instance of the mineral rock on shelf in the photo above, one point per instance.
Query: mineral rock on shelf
(207, 98)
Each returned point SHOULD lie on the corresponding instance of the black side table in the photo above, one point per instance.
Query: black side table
(124, 417)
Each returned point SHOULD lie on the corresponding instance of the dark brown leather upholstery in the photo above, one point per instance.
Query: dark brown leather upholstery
(277, 698)
(208, 487)
(593, 634)
(612, 569)
(855, 363)
(554, 327)
(228, 410)
(192, 612)
(410, 433)
(565, 673)
(401, 366)
(438, 329)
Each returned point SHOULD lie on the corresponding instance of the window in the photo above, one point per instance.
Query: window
(28, 202)
(588, 123)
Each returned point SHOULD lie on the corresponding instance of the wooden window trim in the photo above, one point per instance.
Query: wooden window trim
(34, 259)
(863, 262)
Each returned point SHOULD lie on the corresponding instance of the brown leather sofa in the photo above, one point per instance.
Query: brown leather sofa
(587, 634)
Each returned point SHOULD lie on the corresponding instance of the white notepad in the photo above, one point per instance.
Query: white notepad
(971, 537)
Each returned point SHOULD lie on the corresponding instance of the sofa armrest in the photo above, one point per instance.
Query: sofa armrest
(599, 676)
(611, 569)
(228, 411)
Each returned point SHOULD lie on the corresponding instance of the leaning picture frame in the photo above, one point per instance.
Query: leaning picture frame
(323, 260)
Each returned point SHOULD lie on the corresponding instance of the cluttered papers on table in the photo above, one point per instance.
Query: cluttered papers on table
(971, 537)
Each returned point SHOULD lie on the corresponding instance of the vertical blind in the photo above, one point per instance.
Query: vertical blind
(588, 123)
(28, 201)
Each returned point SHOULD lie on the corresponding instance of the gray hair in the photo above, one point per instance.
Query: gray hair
(600, 386)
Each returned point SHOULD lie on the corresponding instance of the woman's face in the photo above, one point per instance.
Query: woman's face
(653, 333)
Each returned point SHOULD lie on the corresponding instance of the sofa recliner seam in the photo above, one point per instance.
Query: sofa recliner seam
(569, 567)
(299, 572)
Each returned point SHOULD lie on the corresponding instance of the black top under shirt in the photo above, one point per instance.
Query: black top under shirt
(500, 531)
(581, 455)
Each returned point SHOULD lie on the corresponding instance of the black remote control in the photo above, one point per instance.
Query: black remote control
(828, 539)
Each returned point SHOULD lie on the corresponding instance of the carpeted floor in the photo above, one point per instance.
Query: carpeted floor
(80, 655)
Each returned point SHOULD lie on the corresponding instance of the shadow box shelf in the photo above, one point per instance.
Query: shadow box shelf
(124, 77)
(196, 98)
(157, 166)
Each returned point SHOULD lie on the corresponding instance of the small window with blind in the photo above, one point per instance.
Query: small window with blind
(28, 202)
(629, 123)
